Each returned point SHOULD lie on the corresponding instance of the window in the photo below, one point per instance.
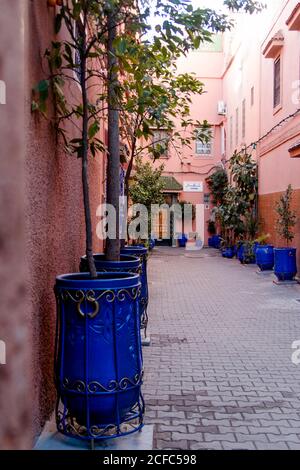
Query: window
(204, 148)
(231, 132)
(206, 198)
(277, 82)
(160, 142)
(237, 126)
(252, 96)
(244, 118)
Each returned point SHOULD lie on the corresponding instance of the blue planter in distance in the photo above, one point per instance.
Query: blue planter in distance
(228, 253)
(182, 241)
(214, 241)
(240, 252)
(285, 265)
(141, 252)
(98, 358)
(265, 257)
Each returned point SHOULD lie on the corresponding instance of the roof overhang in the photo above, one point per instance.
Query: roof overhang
(294, 150)
(293, 21)
(274, 46)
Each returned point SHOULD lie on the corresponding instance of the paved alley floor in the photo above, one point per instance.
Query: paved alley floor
(218, 373)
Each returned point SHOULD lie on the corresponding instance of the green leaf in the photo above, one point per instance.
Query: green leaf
(57, 23)
(93, 129)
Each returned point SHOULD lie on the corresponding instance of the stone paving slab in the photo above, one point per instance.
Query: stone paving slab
(218, 372)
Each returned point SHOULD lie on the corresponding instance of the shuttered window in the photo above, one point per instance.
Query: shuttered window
(277, 82)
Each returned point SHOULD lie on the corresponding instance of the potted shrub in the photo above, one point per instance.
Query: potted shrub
(264, 253)
(285, 266)
(98, 312)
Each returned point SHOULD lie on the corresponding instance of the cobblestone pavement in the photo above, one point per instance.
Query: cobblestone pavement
(218, 373)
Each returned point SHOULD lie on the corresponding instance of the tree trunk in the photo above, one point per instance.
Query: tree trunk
(113, 165)
(85, 184)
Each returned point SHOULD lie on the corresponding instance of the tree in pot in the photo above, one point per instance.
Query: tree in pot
(98, 398)
(285, 267)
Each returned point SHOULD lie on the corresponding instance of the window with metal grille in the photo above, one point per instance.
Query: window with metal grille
(244, 118)
(237, 126)
(160, 142)
(277, 82)
(204, 148)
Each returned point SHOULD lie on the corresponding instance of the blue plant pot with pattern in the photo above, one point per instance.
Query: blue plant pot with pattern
(285, 264)
(265, 257)
(142, 253)
(98, 355)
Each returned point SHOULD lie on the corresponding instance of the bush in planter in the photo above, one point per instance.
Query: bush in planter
(93, 392)
(264, 253)
(285, 266)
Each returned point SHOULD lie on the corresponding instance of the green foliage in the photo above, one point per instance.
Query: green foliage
(218, 185)
(235, 200)
(286, 217)
(147, 186)
(149, 95)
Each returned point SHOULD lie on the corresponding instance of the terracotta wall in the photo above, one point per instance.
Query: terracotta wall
(268, 217)
(54, 211)
(15, 377)
(41, 222)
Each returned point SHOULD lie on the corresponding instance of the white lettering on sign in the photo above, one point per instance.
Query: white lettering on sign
(193, 186)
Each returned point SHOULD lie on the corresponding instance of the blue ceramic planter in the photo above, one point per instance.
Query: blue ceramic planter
(228, 253)
(151, 244)
(265, 257)
(98, 355)
(182, 241)
(285, 266)
(142, 253)
(240, 252)
(216, 241)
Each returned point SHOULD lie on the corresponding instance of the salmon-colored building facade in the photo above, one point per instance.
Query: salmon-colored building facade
(251, 76)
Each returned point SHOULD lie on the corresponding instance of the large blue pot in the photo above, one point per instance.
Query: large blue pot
(182, 241)
(240, 252)
(216, 241)
(127, 263)
(98, 354)
(142, 253)
(228, 253)
(265, 257)
(285, 264)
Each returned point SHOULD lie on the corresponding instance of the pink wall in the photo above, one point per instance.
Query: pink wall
(41, 220)
(187, 166)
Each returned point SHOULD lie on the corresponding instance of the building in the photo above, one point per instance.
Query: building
(251, 76)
